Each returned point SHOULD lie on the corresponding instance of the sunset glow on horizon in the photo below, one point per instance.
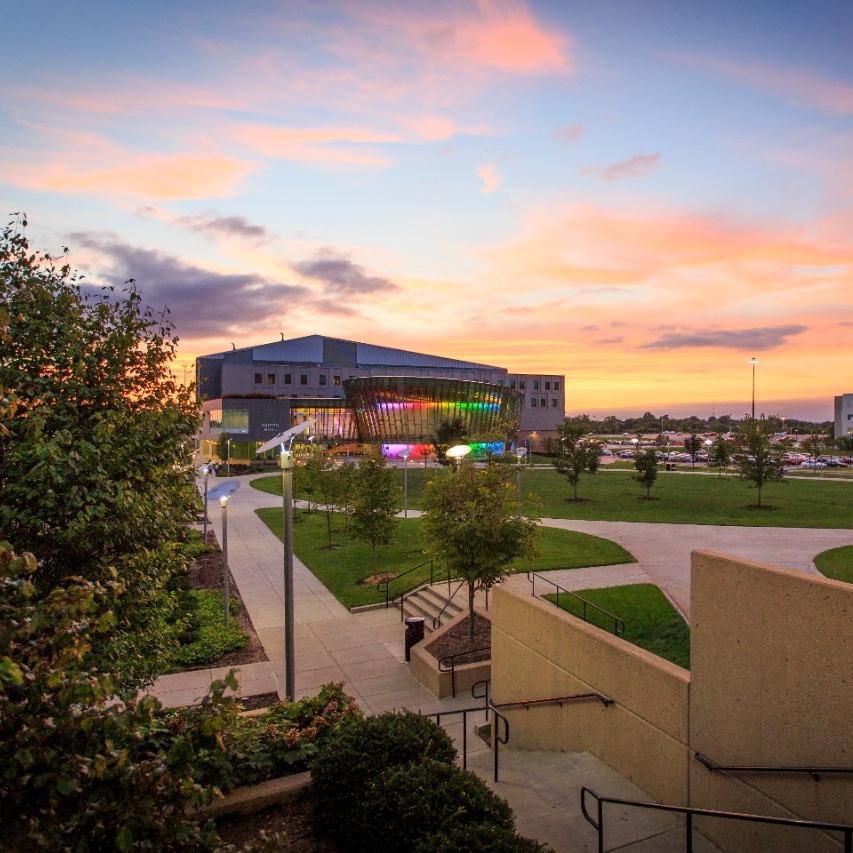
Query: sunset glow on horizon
(639, 196)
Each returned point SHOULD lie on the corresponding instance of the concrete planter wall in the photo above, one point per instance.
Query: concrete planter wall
(424, 666)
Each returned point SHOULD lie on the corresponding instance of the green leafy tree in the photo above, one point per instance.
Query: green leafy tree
(845, 443)
(374, 498)
(92, 469)
(814, 445)
(693, 444)
(646, 465)
(474, 523)
(720, 454)
(758, 460)
(578, 452)
(449, 432)
(224, 445)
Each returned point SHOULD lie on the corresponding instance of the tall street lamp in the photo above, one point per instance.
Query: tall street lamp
(286, 462)
(753, 361)
(206, 471)
(406, 454)
(520, 453)
(228, 449)
(221, 493)
(457, 453)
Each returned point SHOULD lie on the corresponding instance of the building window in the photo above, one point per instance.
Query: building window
(547, 386)
(258, 379)
(322, 378)
(554, 403)
(543, 402)
(303, 379)
(535, 384)
(336, 380)
(532, 402)
(511, 385)
(287, 378)
(521, 384)
(270, 379)
(556, 386)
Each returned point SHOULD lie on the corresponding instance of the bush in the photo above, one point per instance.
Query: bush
(406, 803)
(356, 756)
(206, 639)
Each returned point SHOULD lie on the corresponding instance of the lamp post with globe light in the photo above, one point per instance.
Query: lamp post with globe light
(753, 361)
(406, 454)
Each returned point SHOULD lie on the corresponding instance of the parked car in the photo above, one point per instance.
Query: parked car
(812, 463)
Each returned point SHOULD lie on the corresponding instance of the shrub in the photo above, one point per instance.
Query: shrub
(206, 639)
(357, 755)
(406, 803)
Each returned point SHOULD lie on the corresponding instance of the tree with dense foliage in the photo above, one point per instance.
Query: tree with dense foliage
(720, 454)
(646, 465)
(94, 457)
(448, 433)
(474, 524)
(693, 444)
(758, 460)
(578, 452)
(374, 500)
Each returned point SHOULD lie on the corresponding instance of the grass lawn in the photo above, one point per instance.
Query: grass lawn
(836, 563)
(677, 498)
(651, 622)
(344, 569)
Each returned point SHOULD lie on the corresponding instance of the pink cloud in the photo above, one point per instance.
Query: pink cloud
(798, 87)
(569, 134)
(636, 167)
(490, 177)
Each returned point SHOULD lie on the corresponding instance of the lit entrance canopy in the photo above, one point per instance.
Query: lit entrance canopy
(287, 435)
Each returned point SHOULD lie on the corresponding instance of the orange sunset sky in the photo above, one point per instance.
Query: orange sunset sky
(638, 195)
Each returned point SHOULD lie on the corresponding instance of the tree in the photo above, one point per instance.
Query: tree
(449, 432)
(375, 496)
(93, 466)
(223, 447)
(721, 454)
(577, 450)
(693, 444)
(474, 523)
(759, 461)
(646, 464)
(814, 445)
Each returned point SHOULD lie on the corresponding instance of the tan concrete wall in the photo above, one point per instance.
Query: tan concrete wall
(540, 651)
(772, 684)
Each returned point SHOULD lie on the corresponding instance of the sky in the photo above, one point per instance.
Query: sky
(641, 195)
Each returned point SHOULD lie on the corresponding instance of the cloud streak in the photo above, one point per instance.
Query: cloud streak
(757, 339)
(637, 167)
(341, 276)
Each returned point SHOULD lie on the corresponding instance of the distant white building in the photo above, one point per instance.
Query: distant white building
(844, 415)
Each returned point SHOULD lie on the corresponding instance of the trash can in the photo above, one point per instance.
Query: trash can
(414, 634)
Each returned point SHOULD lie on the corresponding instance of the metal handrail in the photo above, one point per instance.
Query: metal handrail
(558, 700)
(387, 583)
(464, 711)
(436, 622)
(442, 667)
(814, 772)
(497, 739)
(690, 811)
(618, 623)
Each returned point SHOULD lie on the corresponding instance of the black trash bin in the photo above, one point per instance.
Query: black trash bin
(414, 634)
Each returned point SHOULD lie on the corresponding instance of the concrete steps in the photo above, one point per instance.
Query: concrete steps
(428, 602)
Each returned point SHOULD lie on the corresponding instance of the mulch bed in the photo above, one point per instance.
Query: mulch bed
(458, 639)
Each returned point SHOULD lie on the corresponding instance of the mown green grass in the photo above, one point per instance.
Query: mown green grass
(651, 622)
(837, 563)
(677, 498)
(344, 569)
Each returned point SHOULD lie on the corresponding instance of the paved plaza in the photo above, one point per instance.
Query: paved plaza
(365, 650)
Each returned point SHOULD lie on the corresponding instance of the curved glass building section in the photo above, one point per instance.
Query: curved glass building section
(411, 408)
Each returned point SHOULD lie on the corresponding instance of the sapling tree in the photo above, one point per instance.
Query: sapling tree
(646, 465)
(758, 460)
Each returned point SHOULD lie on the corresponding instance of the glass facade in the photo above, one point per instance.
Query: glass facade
(411, 408)
(334, 422)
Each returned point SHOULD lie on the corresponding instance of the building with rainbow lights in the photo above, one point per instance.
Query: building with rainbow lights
(363, 393)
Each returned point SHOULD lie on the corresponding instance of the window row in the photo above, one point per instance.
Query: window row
(542, 403)
(323, 379)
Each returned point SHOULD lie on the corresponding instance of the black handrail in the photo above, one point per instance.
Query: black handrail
(387, 583)
(618, 624)
(689, 812)
(814, 772)
(464, 711)
(436, 622)
(497, 739)
(451, 667)
(558, 700)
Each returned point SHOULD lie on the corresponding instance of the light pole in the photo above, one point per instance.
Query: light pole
(206, 471)
(406, 454)
(226, 594)
(286, 462)
(635, 442)
(228, 450)
(520, 453)
(753, 361)
(708, 452)
(458, 452)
